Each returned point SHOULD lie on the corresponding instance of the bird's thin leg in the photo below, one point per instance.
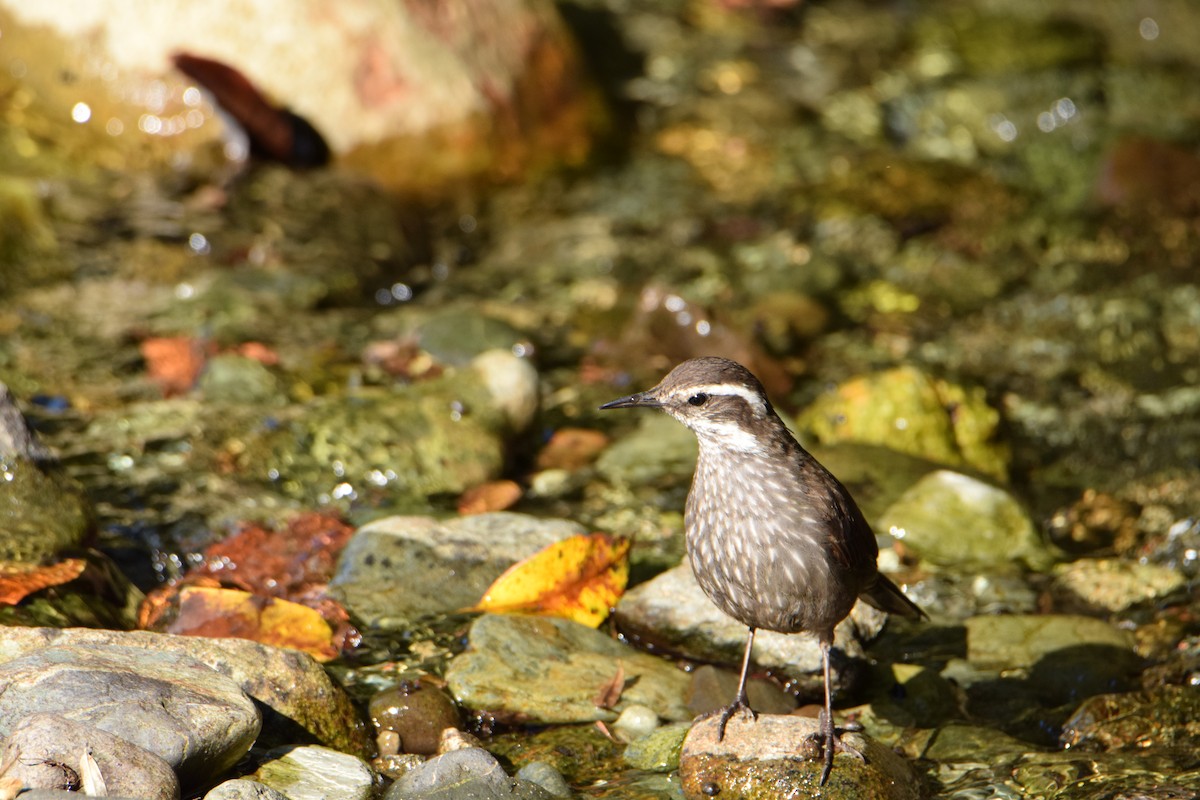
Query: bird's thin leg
(829, 735)
(740, 701)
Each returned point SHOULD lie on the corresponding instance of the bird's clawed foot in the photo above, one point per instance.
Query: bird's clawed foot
(829, 741)
(739, 705)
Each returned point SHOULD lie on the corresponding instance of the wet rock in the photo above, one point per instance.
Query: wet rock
(875, 476)
(244, 789)
(1137, 721)
(1018, 640)
(236, 379)
(659, 448)
(713, 688)
(315, 773)
(584, 754)
(399, 568)
(437, 436)
(41, 510)
(962, 742)
(953, 520)
(194, 718)
(298, 701)
(910, 412)
(469, 774)
(634, 722)
(658, 751)
(671, 612)
(773, 756)
(1114, 584)
(913, 695)
(546, 776)
(44, 751)
(455, 336)
(417, 713)
(1095, 521)
(544, 670)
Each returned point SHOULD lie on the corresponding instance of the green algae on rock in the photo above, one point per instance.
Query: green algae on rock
(546, 670)
(436, 437)
(911, 412)
(952, 520)
(774, 757)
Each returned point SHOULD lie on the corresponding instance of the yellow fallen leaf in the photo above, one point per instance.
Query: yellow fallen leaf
(205, 611)
(579, 578)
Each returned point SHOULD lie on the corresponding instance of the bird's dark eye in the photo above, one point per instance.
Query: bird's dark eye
(698, 399)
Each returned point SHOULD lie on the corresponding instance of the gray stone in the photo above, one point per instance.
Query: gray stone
(236, 379)
(42, 511)
(672, 611)
(298, 700)
(953, 520)
(546, 776)
(634, 722)
(44, 751)
(544, 670)
(398, 568)
(658, 448)
(188, 714)
(468, 774)
(315, 773)
(244, 789)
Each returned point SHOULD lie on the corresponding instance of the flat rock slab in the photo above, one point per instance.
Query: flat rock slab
(399, 568)
(194, 718)
(775, 757)
(672, 612)
(543, 670)
(45, 751)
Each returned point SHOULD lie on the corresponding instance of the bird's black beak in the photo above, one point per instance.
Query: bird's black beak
(639, 400)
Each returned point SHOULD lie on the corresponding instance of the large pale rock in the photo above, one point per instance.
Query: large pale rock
(298, 701)
(188, 714)
(45, 751)
(386, 83)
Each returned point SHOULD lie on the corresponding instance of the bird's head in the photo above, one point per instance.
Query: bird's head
(720, 400)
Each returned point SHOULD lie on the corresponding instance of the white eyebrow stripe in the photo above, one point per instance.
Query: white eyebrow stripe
(749, 395)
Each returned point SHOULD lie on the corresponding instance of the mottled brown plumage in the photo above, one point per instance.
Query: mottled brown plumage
(773, 538)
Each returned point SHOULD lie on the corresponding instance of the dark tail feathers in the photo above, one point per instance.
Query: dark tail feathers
(886, 596)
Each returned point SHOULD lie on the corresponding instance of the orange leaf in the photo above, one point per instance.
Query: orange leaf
(174, 363)
(229, 612)
(17, 581)
(571, 448)
(579, 578)
(492, 496)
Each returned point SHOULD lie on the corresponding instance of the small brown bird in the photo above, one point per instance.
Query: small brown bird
(773, 538)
